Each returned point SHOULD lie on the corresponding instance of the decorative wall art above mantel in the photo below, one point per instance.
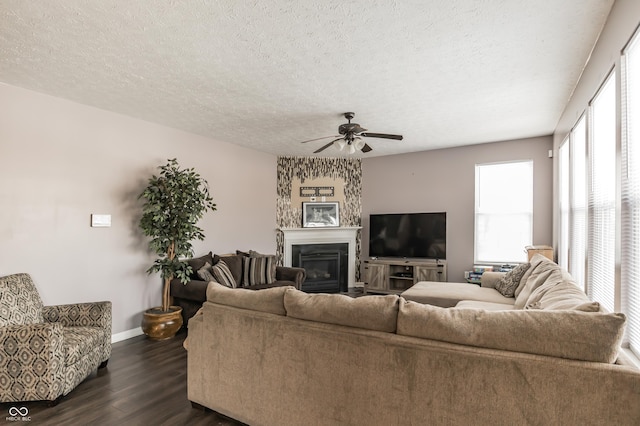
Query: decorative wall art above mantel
(317, 215)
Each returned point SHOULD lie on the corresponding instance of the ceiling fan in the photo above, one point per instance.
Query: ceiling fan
(350, 137)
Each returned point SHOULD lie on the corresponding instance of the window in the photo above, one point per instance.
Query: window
(503, 211)
(602, 197)
(572, 237)
(630, 247)
(564, 203)
(578, 202)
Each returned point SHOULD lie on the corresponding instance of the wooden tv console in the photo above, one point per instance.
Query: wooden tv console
(393, 276)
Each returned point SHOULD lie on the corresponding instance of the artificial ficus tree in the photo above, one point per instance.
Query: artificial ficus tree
(174, 201)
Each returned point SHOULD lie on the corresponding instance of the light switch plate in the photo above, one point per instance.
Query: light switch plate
(100, 220)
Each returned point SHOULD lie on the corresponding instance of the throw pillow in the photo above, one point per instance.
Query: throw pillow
(198, 262)
(509, 282)
(223, 274)
(258, 270)
(205, 272)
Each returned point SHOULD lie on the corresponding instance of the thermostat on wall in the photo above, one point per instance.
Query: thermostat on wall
(100, 220)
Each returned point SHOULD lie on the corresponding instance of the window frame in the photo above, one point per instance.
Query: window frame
(479, 211)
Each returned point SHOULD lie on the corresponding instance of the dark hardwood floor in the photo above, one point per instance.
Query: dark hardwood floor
(145, 383)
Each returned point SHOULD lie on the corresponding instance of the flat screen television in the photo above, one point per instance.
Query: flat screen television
(410, 235)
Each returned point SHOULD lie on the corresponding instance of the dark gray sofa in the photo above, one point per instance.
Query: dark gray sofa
(191, 295)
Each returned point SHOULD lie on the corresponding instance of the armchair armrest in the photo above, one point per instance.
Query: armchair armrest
(38, 351)
(91, 314)
(286, 273)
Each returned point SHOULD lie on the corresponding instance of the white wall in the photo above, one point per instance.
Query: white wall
(623, 20)
(62, 161)
(444, 180)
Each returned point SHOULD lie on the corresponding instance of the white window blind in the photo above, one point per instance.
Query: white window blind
(602, 213)
(630, 257)
(503, 211)
(564, 204)
(578, 201)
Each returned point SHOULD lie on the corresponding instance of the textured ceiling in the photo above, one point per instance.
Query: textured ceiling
(268, 74)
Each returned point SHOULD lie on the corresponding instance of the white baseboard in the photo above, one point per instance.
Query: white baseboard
(128, 334)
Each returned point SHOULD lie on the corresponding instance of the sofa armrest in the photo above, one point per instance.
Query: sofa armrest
(90, 314)
(490, 278)
(296, 275)
(195, 290)
(38, 350)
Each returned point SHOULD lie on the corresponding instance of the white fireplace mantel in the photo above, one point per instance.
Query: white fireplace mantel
(328, 235)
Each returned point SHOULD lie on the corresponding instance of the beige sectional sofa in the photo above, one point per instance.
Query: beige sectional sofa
(283, 357)
(540, 273)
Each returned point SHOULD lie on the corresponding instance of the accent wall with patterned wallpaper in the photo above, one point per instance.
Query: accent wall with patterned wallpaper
(341, 176)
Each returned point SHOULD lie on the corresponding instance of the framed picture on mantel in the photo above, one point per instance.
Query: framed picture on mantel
(315, 215)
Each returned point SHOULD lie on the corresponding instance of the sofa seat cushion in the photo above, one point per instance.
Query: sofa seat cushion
(269, 300)
(448, 295)
(377, 313)
(564, 334)
(487, 306)
(79, 341)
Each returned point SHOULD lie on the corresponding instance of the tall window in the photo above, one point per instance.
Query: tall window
(612, 173)
(630, 258)
(578, 202)
(602, 196)
(503, 212)
(564, 203)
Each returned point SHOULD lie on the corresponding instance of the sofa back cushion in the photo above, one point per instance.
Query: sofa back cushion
(543, 271)
(378, 313)
(565, 334)
(269, 300)
(20, 302)
(561, 296)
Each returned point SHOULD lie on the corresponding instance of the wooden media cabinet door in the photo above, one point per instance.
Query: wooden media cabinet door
(375, 276)
(430, 273)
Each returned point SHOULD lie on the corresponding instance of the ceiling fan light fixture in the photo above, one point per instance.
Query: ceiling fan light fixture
(350, 137)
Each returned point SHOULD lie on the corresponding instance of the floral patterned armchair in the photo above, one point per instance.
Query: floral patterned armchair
(46, 351)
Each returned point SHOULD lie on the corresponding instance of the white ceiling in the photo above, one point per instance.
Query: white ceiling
(269, 74)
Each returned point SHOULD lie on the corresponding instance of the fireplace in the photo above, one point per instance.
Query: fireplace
(326, 266)
(324, 239)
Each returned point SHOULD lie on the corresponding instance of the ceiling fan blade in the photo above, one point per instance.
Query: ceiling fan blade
(366, 148)
(317, 139)
(325, 147)
(381, 136)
